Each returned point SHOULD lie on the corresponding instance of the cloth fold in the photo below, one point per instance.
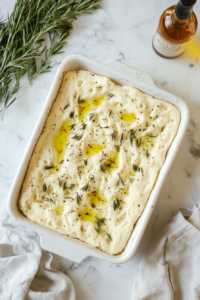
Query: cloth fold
(25, 270)
(170, 268)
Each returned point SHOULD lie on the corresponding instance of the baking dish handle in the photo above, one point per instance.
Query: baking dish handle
(58, 245)
(130, 72)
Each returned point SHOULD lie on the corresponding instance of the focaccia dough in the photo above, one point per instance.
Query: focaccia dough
(97, 160)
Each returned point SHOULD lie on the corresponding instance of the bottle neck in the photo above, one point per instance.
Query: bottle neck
(183, 10)
(177, 20)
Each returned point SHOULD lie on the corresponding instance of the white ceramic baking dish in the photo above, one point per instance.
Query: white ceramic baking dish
(66, 246)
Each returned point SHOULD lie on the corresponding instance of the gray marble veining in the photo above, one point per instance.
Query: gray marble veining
(122, 30)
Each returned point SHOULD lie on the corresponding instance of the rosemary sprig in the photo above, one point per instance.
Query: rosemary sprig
(102, 168)
(110, 113)
(49, 167)
(103, 154)
(110, 95)
(131, 136)
(109, 236)
(69, 198)
(147, 153)
(83, 126)
(78, 199)
(113, 135)
(116, 204)
(91, 116)
(61, 162)
(71, 114)
(153, 136)
(77, 137)
(23, 36)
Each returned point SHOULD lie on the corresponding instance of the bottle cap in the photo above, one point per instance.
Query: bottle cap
(184, 9)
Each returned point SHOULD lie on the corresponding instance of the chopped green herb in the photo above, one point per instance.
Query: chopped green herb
(60, 182)
(121, 180)
(77, 137)
(47, 199)
(121, 138)
(156, 117)
(71, 115)
(65, 185)
(109, 236)
(100, 220)
(153, 136)
(72, 186)
(48, 167)
(141, 170)
(118, 148)
(102, 168)
(44, 187)
(83, 126)
(103, 154)
(81, 100)
(135, 168)
(78, 199)
(110, 113)
(89, 145)
(72, 126)
(138, 142)
(147, 153)
(110, 95)
(91, 116)
(85, 162)
(66, 106)
(85, 187)
(115, 204)
(113, 135)
(131, 136)
(92, 177)
(68, 198)
(61, 162)
(93, 205)
(106, 127)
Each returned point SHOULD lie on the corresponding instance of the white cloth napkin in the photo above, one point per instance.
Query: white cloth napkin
(25, 270)
(171, 267)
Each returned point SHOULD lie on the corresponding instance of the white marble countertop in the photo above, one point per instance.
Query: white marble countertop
(122, 30)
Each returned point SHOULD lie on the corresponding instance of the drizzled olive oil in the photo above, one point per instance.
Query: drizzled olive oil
(129, 118)
(89, 215)
(60, 139)
(93, 149)
(96, 198)
(87, 105)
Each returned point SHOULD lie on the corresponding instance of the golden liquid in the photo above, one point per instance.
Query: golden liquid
(147, 142)
(86, 106)
(60, 139)
(112, 163)
(94, 150)
(89, 215)
(96, 198)
(128, 117)
(59, 210)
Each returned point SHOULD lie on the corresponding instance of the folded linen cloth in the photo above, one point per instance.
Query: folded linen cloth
(171, 267)
(25, 270)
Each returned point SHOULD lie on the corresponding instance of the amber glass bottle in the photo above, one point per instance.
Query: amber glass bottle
(177, 26)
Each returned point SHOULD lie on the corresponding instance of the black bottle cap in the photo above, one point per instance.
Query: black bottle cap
(184, 9)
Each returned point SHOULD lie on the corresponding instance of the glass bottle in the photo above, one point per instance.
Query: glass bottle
(177, 26)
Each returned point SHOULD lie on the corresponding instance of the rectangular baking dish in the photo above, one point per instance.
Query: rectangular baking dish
(68, 247)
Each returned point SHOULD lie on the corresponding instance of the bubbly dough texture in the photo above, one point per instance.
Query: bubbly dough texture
(97, 160)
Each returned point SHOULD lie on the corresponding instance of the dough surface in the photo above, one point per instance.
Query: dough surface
(97, 160)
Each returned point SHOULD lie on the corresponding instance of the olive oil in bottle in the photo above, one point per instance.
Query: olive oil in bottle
(177, 26)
